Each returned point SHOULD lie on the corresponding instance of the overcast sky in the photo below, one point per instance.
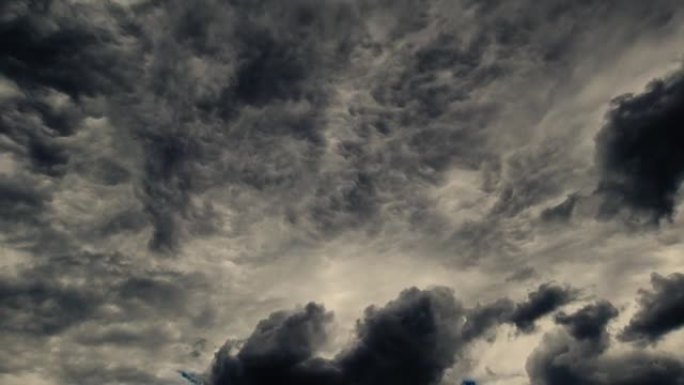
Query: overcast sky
(342, 192)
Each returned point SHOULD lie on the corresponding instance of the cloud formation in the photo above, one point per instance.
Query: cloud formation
(639, 150)
(589, 322)
(660, 310)
(171, 172)
(411, 340)
(546, 299)
(580, 354)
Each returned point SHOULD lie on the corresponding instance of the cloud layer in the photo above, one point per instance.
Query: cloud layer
(172, 172)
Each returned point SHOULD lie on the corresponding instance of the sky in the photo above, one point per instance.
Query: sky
(341, 192)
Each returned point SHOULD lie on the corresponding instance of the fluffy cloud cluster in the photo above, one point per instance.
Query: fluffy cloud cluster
(580, 354)
(412, 340)
(639, 150)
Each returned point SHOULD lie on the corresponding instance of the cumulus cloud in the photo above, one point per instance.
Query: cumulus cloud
(660, 310)
(639, 150)
(411, 340)
(589, 322)
(581, 354)
(546, 299)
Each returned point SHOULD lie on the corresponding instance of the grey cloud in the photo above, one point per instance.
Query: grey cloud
(411, 340)
(582, 356)
(63, 57)
(276, 127)
(238, 96)
(661, 310)
(148, 338)
(589, 322)
(65, 291)
(118, 374)
(522, 274)
(280, 350)
(35, 124)
(19, 201)
(103, 310)
(485, 317)
(41, 308)
(563, 360)
(45, 46)
(561, 212)
(638, 150)
(546, 299)
(264, 83)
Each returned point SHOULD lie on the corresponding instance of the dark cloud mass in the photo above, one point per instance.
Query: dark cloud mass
(402, 342)
(582, 355)
(411, 340)
(640, 150)
(661, 310)
(546, 299)
(173, 171)
(589, 322)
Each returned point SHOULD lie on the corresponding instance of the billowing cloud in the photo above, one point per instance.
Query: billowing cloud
(589, 322)
(543, 301)
(661, 310)
(581, 354)
(639, 150)
(411, 340)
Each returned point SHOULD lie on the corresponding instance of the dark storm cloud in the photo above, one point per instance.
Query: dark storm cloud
(46, 45)
(255, 118)
(411, 340)
(35, 127)
(280, 350)
(546, 299)
(561, 360)
(639, 150)
(264, 56)
(541, 302)
(238, 95)
(589, 322)
(661, 310)
(582, 356)
(553, 35)
(178, 120)
(61, 58)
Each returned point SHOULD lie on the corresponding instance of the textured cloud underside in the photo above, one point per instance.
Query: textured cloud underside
(173, 172)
